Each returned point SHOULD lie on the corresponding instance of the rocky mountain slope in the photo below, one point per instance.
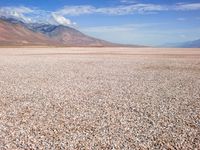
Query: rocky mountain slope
(68, 36)
(16, 32)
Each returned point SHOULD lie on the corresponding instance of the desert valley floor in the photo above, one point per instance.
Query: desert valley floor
(99, 98)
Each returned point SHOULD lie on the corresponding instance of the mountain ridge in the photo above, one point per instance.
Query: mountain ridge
(49, 35)
(16, 34)
(187, 44)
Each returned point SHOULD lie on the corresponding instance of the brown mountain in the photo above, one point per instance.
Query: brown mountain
(16, 34)
(68, 36)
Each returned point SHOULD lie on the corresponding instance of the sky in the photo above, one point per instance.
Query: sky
(145, 22)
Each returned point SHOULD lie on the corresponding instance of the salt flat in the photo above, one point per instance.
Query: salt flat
(99, 98)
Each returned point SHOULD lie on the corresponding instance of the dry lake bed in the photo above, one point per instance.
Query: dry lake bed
(99, 98)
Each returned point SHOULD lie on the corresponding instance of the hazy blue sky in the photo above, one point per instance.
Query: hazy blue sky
(149, 22)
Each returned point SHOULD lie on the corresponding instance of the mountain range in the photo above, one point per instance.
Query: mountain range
(187, 44)
(14, 32)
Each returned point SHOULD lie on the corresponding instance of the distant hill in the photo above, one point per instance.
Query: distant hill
(189, 44)
(16, 32)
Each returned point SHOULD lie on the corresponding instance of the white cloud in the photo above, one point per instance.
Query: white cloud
(77, 10)
(129, 1)
(118, 10)
(62, 20)
(187, 6)
(130, 7)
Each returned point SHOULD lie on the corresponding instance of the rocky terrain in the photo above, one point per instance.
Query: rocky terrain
(107, 98)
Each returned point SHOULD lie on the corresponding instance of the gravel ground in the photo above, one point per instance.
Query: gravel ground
(103, 100)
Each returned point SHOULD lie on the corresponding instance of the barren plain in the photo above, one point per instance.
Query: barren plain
(99, 98)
